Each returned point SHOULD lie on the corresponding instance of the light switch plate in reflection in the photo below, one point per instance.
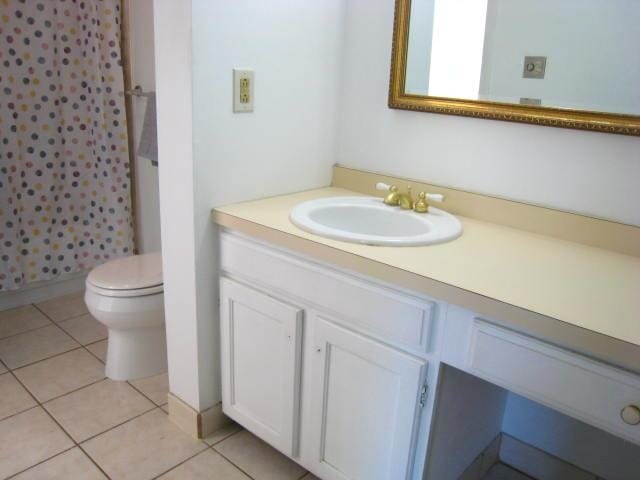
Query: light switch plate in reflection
(243, 86)
(534, 67)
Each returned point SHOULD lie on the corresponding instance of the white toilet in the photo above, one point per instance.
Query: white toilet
(126, 295)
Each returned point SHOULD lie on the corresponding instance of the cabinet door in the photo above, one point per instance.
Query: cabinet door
(260, 353)
(366, 400)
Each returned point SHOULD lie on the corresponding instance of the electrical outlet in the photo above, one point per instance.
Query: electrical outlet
(243, 83)
(534, 67)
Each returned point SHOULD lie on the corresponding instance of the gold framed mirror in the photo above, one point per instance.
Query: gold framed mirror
(485, 25)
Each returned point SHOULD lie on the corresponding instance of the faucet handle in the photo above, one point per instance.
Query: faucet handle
(421, 205)
(392, 198)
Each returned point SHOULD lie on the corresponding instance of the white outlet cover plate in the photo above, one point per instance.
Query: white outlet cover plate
(238, 75)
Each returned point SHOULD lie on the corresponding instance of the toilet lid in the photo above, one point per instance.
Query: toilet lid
(129, 273)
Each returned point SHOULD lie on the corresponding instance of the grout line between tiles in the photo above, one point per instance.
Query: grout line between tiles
(57, 321)
(39, 404)
(73, 441)
(118, 425)
(21, 411)
(225, 438)
(29, 329)
(81, 445)
(73, 391)
(178, 464)
(47, 358)
(93, 354)
(81, 344)
(66, 393)
(142, 393)
(97, 341)
(93, 461)
(40, 462)
(75, 444)
(231, 462)
(237, 466)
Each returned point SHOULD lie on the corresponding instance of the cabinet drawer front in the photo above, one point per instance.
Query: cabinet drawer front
(261, 357)
(397, 318)
(582, 388)
(364, 407)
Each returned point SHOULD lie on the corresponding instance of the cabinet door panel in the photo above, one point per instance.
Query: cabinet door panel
(260, 346)
(365, 404)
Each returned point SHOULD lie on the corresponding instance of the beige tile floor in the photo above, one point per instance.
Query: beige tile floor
(60, 418)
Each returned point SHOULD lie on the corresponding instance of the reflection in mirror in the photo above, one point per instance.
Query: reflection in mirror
(575, 54)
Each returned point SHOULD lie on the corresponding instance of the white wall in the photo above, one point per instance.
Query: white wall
(592, 173)
(586, 68)
(147, 199)
(575, 442)
(287, 144)
(189, 342)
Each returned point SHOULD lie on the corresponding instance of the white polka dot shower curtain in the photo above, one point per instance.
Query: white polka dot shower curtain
(65, 199)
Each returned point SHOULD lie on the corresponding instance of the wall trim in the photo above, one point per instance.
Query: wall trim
(197, 424)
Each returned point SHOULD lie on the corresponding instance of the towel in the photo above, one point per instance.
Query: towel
(148, 146)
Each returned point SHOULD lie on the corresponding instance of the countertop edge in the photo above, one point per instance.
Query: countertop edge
(587, 342)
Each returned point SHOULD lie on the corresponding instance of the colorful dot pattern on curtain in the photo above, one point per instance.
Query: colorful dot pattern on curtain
(65, 201)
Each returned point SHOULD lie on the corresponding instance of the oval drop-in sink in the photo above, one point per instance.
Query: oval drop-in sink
(368, 220)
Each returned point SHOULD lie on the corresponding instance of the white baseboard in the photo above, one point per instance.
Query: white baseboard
(40, 291)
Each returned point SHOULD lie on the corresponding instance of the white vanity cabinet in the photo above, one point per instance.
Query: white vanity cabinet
(331, 369)
(365, 398)
(261, 340)
(328, 369)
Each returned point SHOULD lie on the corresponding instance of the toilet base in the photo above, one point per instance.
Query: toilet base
(136, 353)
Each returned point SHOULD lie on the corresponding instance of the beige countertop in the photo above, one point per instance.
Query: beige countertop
(582, 297)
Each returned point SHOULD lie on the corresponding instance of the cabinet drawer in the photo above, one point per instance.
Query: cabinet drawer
(575, 385)
(395, 317)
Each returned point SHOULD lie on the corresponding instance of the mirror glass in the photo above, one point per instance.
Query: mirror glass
(572, 54)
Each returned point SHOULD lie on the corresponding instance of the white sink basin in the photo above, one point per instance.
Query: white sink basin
(368, 220)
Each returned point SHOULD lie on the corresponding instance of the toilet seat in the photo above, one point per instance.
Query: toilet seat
(137, 292)
(136, 276)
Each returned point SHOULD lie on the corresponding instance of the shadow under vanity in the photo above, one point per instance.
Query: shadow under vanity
(357, 370)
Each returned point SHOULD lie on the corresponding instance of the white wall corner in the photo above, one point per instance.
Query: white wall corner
(177, 204)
